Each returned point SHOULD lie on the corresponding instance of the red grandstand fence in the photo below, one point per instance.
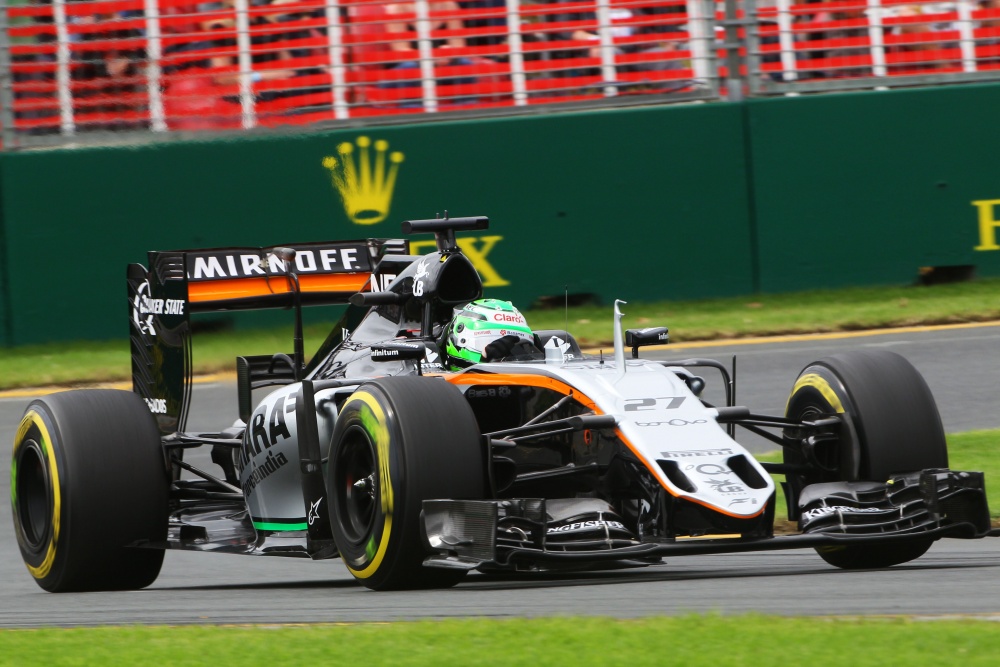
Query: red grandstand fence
(846, 44)
(82, 68)
(85, 69)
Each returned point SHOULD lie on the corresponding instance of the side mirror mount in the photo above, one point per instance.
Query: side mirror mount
(636, 338)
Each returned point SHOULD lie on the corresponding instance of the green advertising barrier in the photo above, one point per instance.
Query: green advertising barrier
(5, 320)
(867, 188)
(659, 203)
(636, 204)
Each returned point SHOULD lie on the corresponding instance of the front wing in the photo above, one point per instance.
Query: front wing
(468, 534)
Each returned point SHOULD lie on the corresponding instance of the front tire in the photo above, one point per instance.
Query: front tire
(399, 441)
(88, 479)
(891, 425)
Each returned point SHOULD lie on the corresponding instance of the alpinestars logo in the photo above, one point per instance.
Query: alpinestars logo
(313, 511)
(366, 184)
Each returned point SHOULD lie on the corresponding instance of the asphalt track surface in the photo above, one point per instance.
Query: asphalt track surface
(955, 577)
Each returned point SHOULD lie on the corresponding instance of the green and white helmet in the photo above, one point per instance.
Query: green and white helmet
(477, 325)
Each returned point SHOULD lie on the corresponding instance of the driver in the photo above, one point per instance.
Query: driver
(487, 330)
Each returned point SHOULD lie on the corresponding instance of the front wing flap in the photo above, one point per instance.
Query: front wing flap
(914, 502)
(467, 534)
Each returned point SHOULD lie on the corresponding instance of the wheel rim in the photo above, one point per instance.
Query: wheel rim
(828, 454)
(34, 509)
(357, 485)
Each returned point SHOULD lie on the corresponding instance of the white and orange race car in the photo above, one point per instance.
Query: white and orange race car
(537, 457)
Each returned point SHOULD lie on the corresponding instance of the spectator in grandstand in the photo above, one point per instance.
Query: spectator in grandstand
(625, 23)
(496, 24)
(202, 73)
(850, 36)
(405, 13)
(918, 50)
(214, 36)
(662, 35)
(39, 107)
(184, 37)
(993, 6)
(575, 44)
(269, 32)
(987, 51)
(402, 20)
(117, 75)
(576, 34)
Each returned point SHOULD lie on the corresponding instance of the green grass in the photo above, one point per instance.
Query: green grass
(107, 361)
(819, 311)
(711, 640)
(801, 312)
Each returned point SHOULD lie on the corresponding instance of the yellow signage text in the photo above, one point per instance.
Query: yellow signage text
(476, 248)
(987, 224)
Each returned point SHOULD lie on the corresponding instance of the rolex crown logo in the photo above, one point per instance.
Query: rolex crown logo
(365, 184)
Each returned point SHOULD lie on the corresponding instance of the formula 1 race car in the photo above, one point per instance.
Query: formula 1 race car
(434, 433)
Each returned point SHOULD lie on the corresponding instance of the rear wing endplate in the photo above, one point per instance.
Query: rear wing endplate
(178, 283)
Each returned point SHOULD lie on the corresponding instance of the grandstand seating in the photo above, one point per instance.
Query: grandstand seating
(114, 65)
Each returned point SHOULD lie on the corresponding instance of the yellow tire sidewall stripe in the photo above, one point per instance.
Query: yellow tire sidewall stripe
(820, 384)
(382, 441)
(32, 418)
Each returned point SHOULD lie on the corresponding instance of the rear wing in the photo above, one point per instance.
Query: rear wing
(178, 283)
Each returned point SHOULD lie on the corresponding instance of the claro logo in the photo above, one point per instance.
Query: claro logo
(508, 317)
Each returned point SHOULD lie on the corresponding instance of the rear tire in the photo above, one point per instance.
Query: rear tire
(399, 441)
(891, 426)
(88, 479)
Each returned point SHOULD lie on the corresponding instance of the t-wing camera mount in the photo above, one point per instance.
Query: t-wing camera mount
(444, 229)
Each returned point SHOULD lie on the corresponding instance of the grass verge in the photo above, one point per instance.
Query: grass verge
(748, 640)
(803, 312)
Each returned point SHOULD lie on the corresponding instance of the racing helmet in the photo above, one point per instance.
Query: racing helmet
(480, 323)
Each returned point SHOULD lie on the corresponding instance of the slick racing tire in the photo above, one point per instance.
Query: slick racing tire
(891, 426)
(399, 441)
(88, 479)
